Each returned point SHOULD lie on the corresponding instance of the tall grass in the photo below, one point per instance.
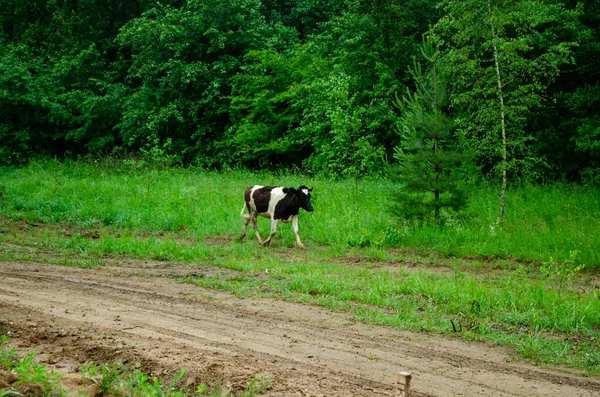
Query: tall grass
(541, 222)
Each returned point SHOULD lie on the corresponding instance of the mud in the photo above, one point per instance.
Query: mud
(136, 312)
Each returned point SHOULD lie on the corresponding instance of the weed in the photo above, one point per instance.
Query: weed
(256, 386)
(120, 380)
(8, 357)
(105, 376)
(115, 380)
(563, 271)
(28, 372)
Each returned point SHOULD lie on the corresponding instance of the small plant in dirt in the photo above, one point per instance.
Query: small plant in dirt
(106, 377)
(256, 386)
(120, 380)
(117, 380)
(31, 378)
(8, 357)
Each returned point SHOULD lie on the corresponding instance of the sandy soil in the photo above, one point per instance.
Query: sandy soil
(137, 313)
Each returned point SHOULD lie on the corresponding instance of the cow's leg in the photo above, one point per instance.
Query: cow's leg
(247, 219)
(253, 216)
(295, 228)
(273, 231)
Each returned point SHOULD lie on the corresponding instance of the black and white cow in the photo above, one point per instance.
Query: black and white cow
(279, 204)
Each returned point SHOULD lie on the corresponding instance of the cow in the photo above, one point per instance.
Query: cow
(278, 204)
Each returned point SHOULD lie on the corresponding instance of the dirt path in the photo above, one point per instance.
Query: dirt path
(136, 312)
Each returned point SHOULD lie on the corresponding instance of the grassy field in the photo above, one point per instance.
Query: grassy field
(530, 284)
(559, 221)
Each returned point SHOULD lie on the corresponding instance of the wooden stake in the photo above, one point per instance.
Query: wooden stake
(403, 384)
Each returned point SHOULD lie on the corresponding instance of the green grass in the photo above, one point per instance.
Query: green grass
(529, 284)
(541, 221)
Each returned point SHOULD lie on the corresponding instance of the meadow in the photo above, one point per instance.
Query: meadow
(542, 222)
(530, 283)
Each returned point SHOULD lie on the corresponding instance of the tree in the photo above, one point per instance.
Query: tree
(60, 92)
(183, 62)
(305, 16)
(430, 153)
(370, 47)
(569, 124)
(502, 56)
(264, 120)
(27, 106)
(342, 146)
(326, 104)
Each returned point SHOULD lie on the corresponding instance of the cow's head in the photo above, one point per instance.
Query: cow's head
(303, 194)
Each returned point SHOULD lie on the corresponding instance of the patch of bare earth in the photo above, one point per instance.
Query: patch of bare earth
(134, 311)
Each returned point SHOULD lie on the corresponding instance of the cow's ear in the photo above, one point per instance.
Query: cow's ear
(285, 190)
(291, 190)
(310, 189)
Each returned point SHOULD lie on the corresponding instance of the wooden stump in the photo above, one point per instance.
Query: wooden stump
(403, 384)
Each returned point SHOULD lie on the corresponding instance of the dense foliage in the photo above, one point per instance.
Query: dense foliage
(305, 84)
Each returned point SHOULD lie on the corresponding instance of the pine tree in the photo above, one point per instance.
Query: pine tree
(430, 154)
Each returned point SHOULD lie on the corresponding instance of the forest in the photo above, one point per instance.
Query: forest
(327, 87)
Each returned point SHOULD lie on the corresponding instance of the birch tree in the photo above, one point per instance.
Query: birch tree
(502, 56)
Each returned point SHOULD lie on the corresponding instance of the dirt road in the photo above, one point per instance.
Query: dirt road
(136, 312)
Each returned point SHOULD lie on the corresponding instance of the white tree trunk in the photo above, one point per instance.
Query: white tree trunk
(502, 117)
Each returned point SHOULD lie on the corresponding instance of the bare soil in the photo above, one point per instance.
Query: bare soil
(136, 312)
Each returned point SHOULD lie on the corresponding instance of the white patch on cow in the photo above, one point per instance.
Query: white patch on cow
(305, 191)
(251, 202)
(277, 195)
